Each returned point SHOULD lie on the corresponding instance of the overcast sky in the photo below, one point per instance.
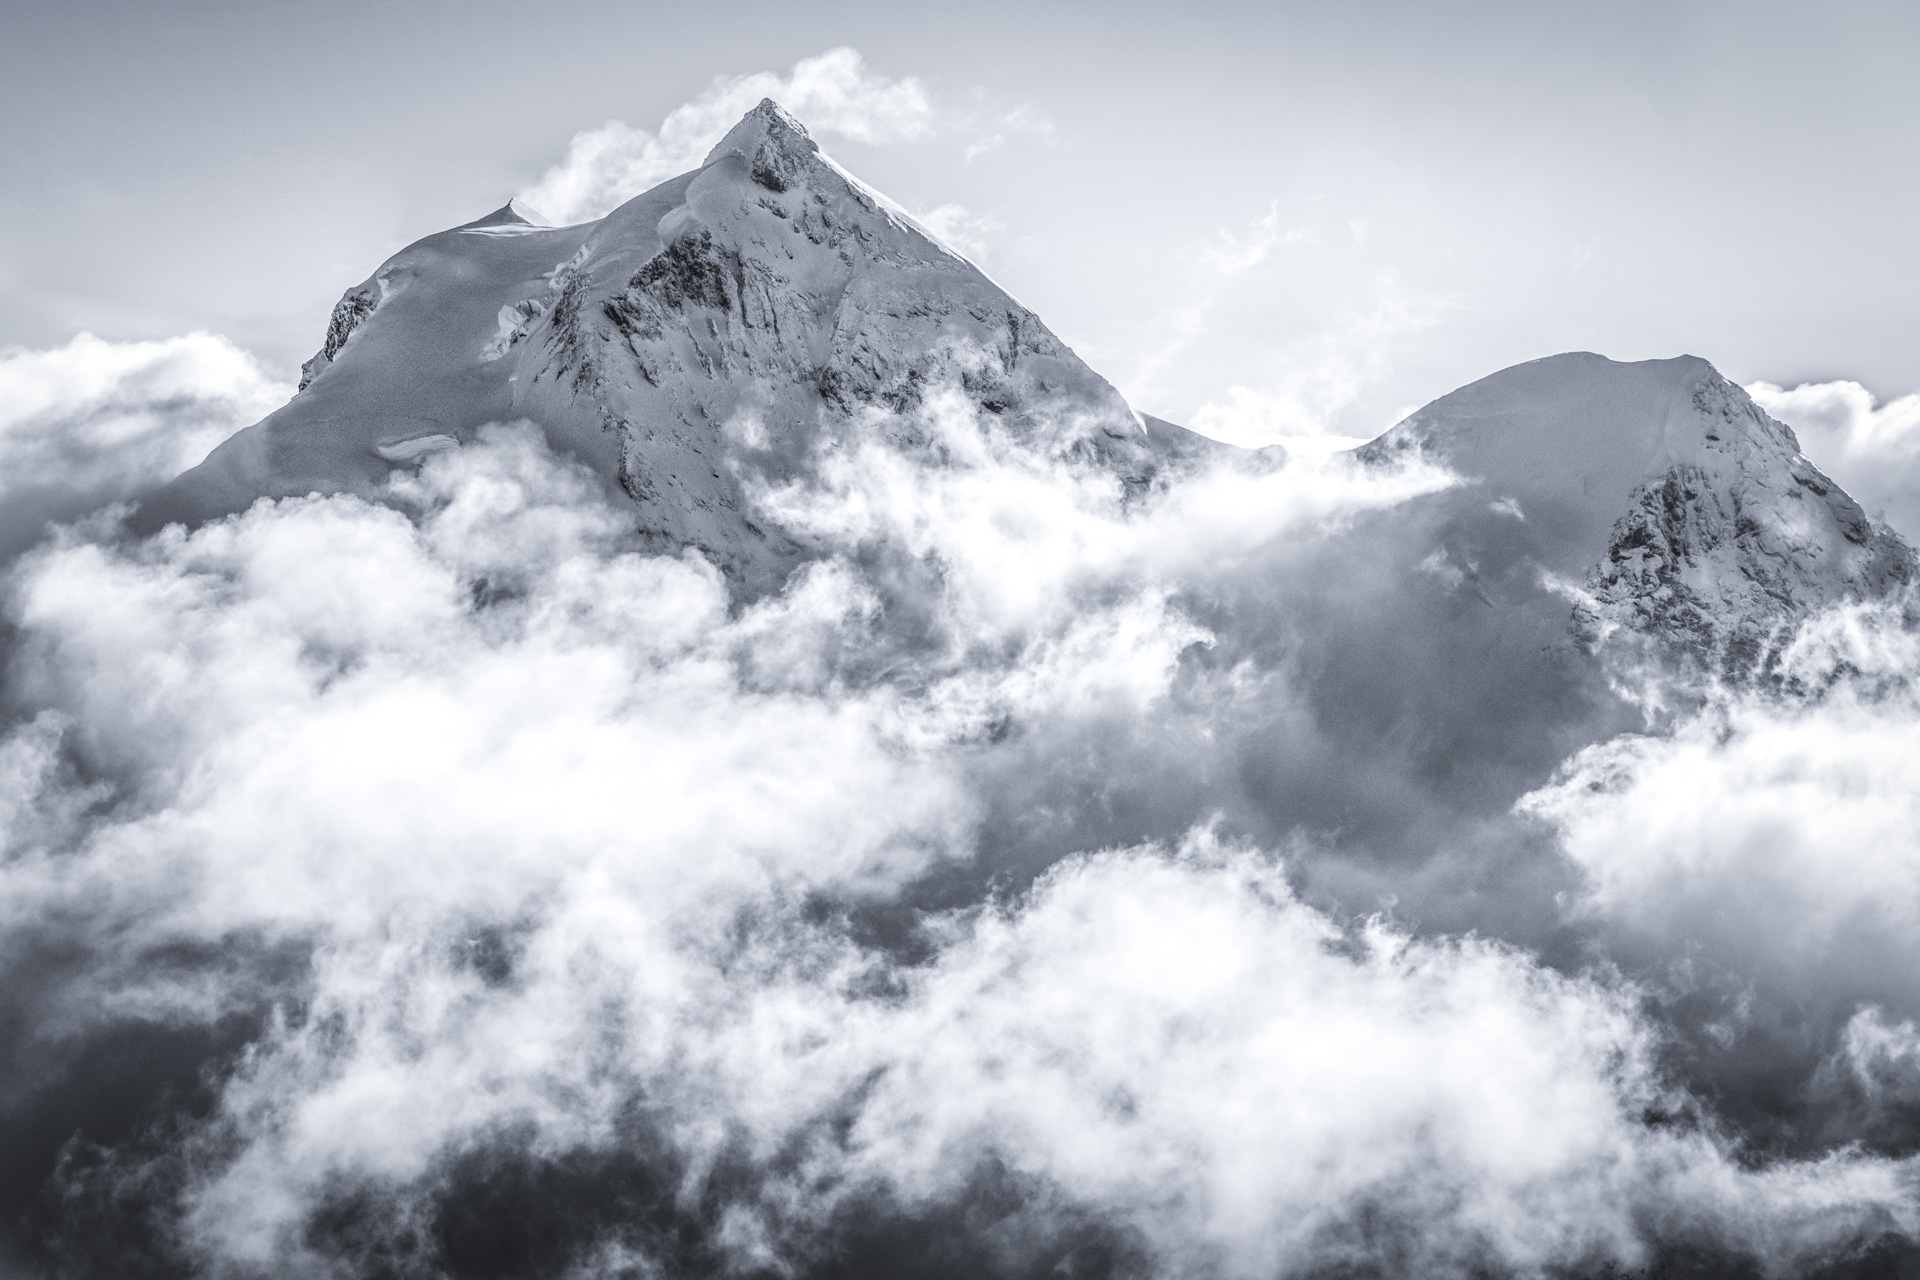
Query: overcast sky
(1271, 217)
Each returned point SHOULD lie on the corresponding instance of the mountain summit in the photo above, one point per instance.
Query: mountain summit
(709, 335)
(776, 147)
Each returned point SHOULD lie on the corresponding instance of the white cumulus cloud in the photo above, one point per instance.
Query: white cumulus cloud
(1871, 448)
(1760, 862)
(526, 855)
(833, 94)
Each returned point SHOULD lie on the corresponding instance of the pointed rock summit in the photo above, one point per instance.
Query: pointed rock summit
(515, 215)
(776, 147)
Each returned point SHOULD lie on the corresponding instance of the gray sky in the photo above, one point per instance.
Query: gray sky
(1343, 210)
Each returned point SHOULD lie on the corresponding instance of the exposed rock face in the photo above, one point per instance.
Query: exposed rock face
(712, 335)
(1738, 539)
(357, 305)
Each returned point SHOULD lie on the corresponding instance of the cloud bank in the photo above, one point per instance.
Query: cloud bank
(1758, 865)
(483, 894)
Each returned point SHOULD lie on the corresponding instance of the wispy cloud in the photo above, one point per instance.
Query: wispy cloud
(835, 94)
(96, 421)
(1871, 448)
(968, 232)
(1315, 378)
(1021, 121)
(1307, 379)
(1221, 263)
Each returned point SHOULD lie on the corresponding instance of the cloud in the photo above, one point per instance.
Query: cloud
(1023, 120)
(1024, 541)
(96, 421)
(1879, 1062)
(1759, 864)
(1231, 254)
(1220, 264)
(1316, 379)
(1145, 1033)
(508, 788)
(1778, 830)
(1308, 383)
(1872, 449)
(833, 93)
(969, 233)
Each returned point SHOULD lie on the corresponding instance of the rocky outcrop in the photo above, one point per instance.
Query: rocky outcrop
(356, 306)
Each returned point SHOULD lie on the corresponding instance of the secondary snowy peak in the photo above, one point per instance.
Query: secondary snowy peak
(1565, 440)
(1657, 495)
(702, 342)
(1732, 539)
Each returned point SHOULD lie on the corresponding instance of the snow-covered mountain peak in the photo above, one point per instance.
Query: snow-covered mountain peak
(1733, 538)
(1657, 495)
(702, 342)
(1567, 438)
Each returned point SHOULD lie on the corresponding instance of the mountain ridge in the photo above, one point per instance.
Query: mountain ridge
(718, 334)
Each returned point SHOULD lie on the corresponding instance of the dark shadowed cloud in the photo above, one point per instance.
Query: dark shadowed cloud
(532, 874)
